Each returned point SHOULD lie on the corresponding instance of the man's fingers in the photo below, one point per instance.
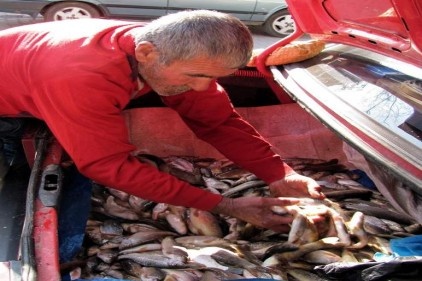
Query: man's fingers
(280, 223)
(282, 220)
(285, 201)
(281, 228)
(316, 192)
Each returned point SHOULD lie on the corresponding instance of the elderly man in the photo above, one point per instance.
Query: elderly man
(78, 76)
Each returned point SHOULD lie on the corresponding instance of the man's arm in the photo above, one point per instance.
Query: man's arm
(213, 119)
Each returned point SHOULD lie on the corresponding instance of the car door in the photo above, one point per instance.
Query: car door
(242, 9)
(139, 9)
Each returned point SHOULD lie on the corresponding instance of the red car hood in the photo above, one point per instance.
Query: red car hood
(389, 27)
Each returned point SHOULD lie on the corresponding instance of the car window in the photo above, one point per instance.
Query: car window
(386, 94)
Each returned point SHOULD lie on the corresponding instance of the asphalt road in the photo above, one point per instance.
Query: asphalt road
(11, 20)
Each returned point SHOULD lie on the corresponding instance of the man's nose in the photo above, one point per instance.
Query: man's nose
(200, 84)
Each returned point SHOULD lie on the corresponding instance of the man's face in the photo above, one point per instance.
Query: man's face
(182, 76)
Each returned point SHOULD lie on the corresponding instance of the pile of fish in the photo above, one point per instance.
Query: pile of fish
(134, 239)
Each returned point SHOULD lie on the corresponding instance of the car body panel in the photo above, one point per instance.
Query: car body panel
(23, 6)
(265, 9)
(142, 9)
(389, 27)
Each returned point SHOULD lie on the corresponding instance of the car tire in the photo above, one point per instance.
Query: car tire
(280, 24)
(70, 10)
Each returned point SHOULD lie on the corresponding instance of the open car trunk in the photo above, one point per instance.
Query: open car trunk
(56, 240)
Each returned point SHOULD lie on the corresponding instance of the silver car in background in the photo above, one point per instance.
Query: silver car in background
(272, 15)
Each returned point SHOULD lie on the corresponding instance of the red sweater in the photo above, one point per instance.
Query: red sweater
(75, 75)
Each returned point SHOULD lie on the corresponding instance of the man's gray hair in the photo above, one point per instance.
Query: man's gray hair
(190, 34)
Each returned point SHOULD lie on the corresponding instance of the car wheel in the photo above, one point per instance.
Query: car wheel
(280, 24)
(70, 10)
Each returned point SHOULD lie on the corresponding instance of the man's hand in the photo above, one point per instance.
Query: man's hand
(296, 185)
(257, 211)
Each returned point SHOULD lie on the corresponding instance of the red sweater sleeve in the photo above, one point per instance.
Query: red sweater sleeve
(213, 119)
(86, 119)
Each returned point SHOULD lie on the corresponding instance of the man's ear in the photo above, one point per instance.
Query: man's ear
(145, 52)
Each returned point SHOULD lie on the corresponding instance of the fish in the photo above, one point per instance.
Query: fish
(321, 257)
(374, 225)
(348, 256)
(251, 274)
(139, 205)
(132, 228)
(242, 187)
(172, 250)
(203, 223)
(116, 274)
(143, 237)
(202, 241)
(194, 178)
(177, 223)
(152, 274)
(133, 268)
(159, 209)
(379, 212)
(111, 228)
(233, 232)
(123, 196)
(93, 250)
(356, 228)
(203, 256)
(112, 243)
(380, 244)
(324, 243)
(93, 233)
(302, 230)
(279, 247)
(341, 229)
(227, 257)
(165, 242)
(142, 248)
(153, 259)
(112, 208)
(415, 228)
(182, 275)
(217, 184)
(350, 193)
(394, 226)
(108, 255)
